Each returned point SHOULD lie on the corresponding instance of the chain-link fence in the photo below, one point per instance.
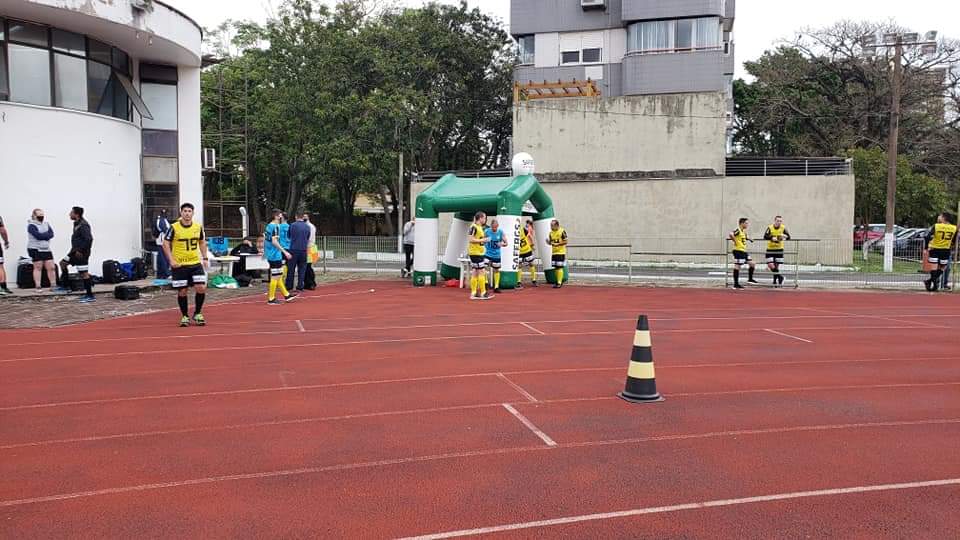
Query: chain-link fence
(822, 263)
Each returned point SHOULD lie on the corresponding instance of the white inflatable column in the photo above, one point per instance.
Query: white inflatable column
(456, 246)
(541, 229)
(510, 255)
(425, 252)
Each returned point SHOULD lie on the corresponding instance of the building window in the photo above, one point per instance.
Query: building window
(674, 35)
(69, 82)
(69, 42)
(592, 56)
(570, 57)
(528, 47)
(4, 87)
(48, 66)
(29, 74)
(159, 143)
(29, 34)
(161, 99)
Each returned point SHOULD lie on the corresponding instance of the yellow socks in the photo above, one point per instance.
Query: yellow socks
(496, 280)
(560, 275)
(473, 285)
(273, 290)
(282, 288)
(482, 285)
(533, 273)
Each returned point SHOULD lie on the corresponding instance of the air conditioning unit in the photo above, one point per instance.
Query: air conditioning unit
(142, 5)
(593, 4)
(208, 159)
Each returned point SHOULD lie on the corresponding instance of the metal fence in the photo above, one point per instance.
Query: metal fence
(788, 166)
(820, 263)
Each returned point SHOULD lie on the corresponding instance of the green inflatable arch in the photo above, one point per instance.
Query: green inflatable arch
(503, 197)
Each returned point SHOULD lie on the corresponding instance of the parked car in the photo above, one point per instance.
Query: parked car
(871, 232)
(910, 243)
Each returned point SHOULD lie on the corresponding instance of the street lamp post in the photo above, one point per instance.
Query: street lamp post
(897, 42)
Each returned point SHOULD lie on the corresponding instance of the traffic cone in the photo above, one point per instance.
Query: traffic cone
(641, 381)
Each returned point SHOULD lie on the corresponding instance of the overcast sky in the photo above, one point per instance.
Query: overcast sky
(760, 23)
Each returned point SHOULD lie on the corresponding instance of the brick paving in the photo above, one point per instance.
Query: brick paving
(26, 309)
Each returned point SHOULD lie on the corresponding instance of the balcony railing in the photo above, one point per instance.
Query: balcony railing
(788, 166)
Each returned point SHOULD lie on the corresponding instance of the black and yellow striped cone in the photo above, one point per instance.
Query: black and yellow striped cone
(641, 381)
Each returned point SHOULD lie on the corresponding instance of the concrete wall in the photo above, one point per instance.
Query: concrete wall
(188, 132)
(635, 10)
(700, 71)
(55, 159)
(639, 133)
(535, 16)
(687, 215)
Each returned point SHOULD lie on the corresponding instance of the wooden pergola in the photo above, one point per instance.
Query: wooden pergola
(554, 90)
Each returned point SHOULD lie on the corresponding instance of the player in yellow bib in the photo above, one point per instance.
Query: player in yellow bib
(527, 257)
(942, 237)
(558, 249)
(775, 235)
(740, 255)
(185, 246)
(476, 249)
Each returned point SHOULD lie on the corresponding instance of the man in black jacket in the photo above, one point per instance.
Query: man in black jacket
(80, 245)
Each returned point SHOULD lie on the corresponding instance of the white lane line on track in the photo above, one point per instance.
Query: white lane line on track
(456, 455)
(530, 425)
(518, 388)
(447, 338)
(532, 328)
(831, 315)
(688, 506)
(787, 335)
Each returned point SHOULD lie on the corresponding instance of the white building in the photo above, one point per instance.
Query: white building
(99, 108)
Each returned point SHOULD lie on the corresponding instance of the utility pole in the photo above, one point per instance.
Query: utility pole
(400, 205)
(897, 42)
(892, 155)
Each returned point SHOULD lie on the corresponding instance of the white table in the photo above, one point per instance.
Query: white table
(226, 263)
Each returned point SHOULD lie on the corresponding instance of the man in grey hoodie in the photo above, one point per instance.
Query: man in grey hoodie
(39, 234)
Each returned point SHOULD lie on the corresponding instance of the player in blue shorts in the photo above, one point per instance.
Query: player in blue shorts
(495, 241)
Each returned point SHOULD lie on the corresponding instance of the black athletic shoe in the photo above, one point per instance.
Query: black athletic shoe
(928, 284)
(519, 286)
(751, 280)
(534, 283)
(737, 286)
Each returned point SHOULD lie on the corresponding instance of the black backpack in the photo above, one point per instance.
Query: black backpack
(25, 275)
(139, 268)
(112, 272)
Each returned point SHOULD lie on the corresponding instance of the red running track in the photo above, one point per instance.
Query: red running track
(403, 412)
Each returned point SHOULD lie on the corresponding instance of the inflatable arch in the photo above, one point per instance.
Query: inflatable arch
(503, 197)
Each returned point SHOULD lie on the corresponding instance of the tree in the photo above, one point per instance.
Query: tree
(920, 197)
(819, 96)
(333, 97)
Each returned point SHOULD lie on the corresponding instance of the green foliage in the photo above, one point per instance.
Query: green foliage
(920, 197)
(331, 97)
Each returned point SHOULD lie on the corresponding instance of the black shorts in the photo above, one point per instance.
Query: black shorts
(493, 262)
(559, 261)
(741, 257)
(1, 253)
(478, 262)
(78, 260)
(775, 256)
(526, 259)
(939, 256)
(40, 256)
(276, 268)
(188, 276)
